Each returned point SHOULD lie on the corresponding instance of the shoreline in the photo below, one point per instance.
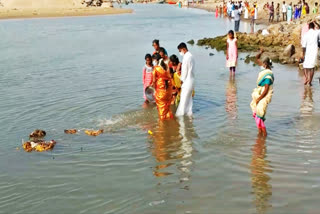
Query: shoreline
(29, 13)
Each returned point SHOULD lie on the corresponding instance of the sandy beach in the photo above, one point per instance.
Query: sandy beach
(58, 12)
(12, 9)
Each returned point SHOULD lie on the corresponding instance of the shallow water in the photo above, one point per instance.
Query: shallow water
(63, 73)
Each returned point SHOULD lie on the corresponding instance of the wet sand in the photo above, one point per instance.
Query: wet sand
(8, 13)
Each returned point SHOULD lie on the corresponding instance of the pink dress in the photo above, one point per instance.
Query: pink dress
(232, 53)
(217, 13)
(146, 78)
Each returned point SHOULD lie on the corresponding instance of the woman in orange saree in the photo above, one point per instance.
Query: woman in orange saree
(163, 85)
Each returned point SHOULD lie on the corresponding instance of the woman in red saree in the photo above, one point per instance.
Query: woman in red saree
(163, 85)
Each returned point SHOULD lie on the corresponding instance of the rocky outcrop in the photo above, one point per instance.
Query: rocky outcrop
(191, 42)
(282, 44)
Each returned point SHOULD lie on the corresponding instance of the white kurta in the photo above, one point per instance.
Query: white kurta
(310, 42)
(256, 13)
(187, 77)
(246, 13)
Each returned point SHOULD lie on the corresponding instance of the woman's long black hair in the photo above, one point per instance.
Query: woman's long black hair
(157, 57)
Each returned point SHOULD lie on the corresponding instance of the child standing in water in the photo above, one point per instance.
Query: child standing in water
(147, 74)
(261, 96)
(232, 53)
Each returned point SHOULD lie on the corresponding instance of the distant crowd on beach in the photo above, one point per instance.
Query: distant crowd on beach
(288, 12)
(230, 9)
(235, 9)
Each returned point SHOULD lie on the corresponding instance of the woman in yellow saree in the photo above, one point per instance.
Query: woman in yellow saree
(262, 95)
(163, 85)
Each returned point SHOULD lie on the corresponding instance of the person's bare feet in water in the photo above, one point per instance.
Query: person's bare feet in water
(262, 132)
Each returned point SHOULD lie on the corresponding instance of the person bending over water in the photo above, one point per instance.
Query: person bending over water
(175, 72)
(232, 53)
(187, 79)
(163, 85)
(261, 96)
(147, 75)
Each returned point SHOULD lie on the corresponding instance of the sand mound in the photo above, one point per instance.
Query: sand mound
(41, 3)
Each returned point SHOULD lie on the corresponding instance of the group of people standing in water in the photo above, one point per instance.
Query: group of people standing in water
(172, 80)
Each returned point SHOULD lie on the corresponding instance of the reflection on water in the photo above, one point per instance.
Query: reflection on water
(172, 145)
(306, 107)
(308, 123)
(248, 26)
(231, 99)
(261, 187)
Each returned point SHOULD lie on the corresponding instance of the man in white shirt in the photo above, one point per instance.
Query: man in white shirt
(237, 15)
(284, 11)
(310, 52)
(187, 79)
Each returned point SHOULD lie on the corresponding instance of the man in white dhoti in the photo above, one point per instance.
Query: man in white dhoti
(187, 79)
(310, 52)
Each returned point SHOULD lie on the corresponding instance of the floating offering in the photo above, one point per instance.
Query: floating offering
(39, 147)
(150, 132)
(93, 132)
(70, 131)
(38, 133)
(36, 142)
